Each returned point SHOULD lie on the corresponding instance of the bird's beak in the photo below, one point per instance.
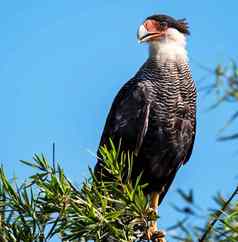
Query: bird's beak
(141, 33)
(144, 35)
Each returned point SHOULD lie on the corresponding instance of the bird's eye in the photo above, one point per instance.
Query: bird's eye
(163, 24)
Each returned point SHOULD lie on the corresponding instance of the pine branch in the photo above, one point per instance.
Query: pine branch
(217, 216)
(48, 204)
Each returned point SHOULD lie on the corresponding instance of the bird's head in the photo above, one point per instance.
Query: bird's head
(160, 27)
(163, 32)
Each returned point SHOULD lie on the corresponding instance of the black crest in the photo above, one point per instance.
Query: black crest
(181, 25)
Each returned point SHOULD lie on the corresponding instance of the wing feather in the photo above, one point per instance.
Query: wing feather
(128, 117)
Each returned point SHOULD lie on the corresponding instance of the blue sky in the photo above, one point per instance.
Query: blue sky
(62, 62)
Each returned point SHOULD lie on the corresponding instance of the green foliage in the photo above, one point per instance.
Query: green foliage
(48, 204)
(197, 225)
(225, 88)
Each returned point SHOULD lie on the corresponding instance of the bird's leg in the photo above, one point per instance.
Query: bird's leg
(154, 200)
(152, 232)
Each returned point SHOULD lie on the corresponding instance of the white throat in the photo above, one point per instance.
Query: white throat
(171, 48)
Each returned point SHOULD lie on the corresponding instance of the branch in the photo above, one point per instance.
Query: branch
(218, 214)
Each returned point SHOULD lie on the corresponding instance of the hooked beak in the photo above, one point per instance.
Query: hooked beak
(143, 35)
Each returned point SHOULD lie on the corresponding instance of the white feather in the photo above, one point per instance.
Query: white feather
(170, 48)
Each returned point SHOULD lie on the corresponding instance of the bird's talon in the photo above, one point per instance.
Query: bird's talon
(158, 236)
(155, 235)
(151, 231)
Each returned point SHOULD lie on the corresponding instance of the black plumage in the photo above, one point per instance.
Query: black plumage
(154, 116)
(180, 24)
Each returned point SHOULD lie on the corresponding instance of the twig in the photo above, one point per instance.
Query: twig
(218, 214)
(53, 156)
(2, 215)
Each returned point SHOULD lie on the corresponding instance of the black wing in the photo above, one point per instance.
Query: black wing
(128, 117)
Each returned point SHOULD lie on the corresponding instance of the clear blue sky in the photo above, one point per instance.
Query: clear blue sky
(62, 62)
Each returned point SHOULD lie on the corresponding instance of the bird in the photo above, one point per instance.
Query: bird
(154, 113)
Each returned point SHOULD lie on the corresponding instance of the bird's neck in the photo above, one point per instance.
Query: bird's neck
(168, 50)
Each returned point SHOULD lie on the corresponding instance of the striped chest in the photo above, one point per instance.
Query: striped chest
(171, 89)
